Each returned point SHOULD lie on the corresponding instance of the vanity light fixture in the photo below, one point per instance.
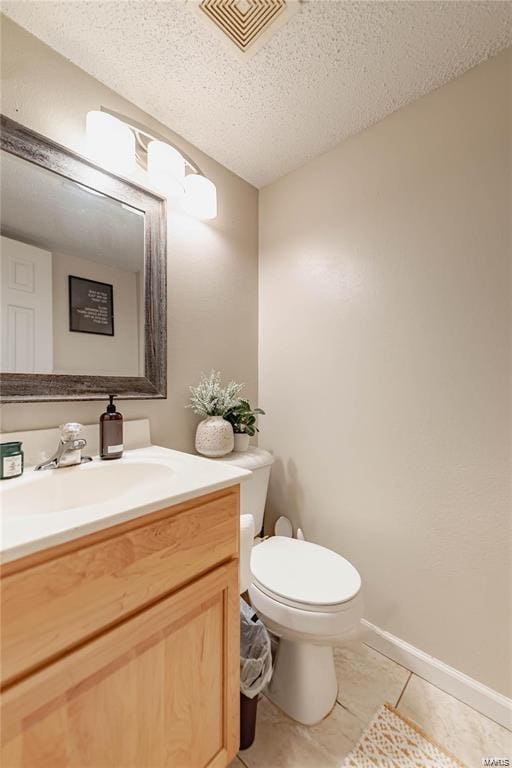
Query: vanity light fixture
(110, 142)
(121, 144)
(166, 169)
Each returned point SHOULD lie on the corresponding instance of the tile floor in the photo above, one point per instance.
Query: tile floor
(367, 679)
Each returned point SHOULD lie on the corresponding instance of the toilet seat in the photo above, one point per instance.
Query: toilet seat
(305, 624)
(304, 575)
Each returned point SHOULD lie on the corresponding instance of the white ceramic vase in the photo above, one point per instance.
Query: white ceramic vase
(241, 442)
(214, 437)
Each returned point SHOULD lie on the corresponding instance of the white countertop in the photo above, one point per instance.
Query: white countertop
(41, 509)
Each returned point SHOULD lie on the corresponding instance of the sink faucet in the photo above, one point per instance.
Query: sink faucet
(69, 450)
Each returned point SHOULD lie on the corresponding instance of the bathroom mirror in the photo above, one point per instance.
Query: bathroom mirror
(83, 277)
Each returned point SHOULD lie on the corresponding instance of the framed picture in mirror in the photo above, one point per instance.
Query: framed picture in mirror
(91, 306)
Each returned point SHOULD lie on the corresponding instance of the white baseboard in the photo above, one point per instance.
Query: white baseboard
(485, 700)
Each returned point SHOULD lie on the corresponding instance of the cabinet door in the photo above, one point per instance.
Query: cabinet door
(51, 606)
(160, 689)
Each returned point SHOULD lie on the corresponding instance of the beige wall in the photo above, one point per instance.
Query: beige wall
(212, 267)
(384, 365)
(81, 353)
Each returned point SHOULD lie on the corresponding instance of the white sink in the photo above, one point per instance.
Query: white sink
(45, 508)
(59, 491)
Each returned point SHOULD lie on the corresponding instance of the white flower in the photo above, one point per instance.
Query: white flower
(209, 398)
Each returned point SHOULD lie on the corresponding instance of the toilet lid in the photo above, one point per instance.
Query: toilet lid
(303, 573)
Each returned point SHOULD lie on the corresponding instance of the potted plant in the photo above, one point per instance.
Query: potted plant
(212, 401)
(242, 417)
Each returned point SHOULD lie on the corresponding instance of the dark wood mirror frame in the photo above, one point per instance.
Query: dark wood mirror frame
(34, 387)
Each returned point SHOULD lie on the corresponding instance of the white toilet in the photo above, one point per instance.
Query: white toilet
(307, 595)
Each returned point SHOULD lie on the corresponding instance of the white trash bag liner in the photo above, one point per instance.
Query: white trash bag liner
(255, 652)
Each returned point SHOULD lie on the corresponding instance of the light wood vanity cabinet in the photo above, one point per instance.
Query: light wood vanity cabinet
(121, 649)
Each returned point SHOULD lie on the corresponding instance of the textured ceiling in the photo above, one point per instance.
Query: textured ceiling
(335, 68)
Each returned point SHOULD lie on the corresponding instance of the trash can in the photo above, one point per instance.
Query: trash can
(248, 712)
(255, 669)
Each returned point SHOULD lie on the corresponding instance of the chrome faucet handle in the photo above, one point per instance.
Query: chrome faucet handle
(70, 431)
(71, 445)
(69, 450)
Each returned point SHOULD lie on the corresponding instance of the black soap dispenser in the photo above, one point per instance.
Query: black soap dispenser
(111, 432)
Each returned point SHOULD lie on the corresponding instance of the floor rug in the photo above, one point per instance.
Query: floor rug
(393, 741)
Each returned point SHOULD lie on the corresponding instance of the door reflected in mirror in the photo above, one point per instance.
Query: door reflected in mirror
(72, 276)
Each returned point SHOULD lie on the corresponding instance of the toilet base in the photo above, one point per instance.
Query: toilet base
(304, 682)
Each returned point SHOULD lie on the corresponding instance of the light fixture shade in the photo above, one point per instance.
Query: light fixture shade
(200, 197)
(110, 142)
(166, 168)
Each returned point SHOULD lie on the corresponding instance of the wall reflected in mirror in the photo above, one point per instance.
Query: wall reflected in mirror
(72, 276)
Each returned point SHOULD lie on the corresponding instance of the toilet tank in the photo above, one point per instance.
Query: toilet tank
(253, 491)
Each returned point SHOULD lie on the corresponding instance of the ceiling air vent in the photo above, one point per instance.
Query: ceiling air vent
(245, 21)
